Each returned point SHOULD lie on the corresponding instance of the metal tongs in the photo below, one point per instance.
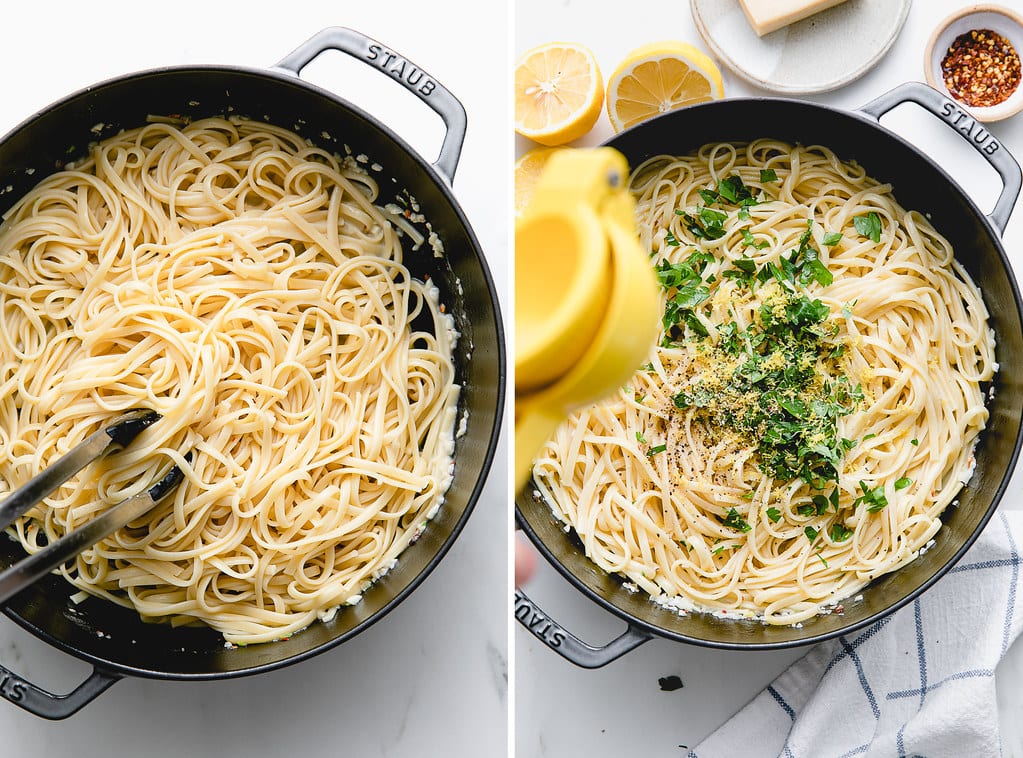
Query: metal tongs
(117, 435)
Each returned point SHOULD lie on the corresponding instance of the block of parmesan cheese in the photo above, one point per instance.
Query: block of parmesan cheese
(767, 16)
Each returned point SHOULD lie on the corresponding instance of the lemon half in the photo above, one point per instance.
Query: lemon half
(558, 93)
(658, 78)
(528, 169)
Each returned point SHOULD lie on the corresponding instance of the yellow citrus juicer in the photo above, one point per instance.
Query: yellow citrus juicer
(586, 297)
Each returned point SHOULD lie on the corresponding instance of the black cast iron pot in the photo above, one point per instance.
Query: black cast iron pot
(113, 639)
(919, 184)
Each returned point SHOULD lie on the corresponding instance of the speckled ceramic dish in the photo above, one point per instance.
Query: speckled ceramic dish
(818, 54)
(1003, 21)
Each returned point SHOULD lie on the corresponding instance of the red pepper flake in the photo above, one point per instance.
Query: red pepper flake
(981, 68)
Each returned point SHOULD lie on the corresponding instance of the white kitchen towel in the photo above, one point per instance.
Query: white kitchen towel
(919, 682)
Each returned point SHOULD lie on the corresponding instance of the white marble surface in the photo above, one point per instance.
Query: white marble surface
(561, 710)
(430, 679)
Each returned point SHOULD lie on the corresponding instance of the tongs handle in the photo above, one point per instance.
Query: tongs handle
(120, 433)
(36, 566)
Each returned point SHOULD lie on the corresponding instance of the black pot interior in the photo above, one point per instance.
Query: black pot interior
(114, 637)
(919, 184)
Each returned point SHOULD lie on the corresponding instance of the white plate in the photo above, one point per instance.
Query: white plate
(817, 54)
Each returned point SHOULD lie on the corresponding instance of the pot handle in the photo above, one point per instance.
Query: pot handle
(401, 69)
(42, 703)
(563, 642)
(970, 129)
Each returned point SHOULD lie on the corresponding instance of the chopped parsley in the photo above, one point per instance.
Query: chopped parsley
(869, 226)
(901, 484)
(777, 382)
(874, 499)
(806, 261)
(640, 438)
(774, 514)
(685, 278)
(776, 391)
(707, 223)
(733, 190)
(750, 241)
(768, 175)
(811, 533)
(744, 270)
(687, 272)
(655, 450)
(821, 503)
(802, 265)
(839, 532)
(914, 441)
(735, 521)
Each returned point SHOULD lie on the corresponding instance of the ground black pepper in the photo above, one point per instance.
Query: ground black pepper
(981, 68)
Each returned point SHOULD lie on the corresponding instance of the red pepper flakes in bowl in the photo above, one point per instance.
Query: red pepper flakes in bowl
(974, 57)
(981, 68)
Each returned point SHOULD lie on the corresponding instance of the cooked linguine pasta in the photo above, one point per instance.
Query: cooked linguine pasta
(813, 406)
(244, 284)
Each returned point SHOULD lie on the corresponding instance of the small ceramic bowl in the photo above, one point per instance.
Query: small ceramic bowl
(1004, 21)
